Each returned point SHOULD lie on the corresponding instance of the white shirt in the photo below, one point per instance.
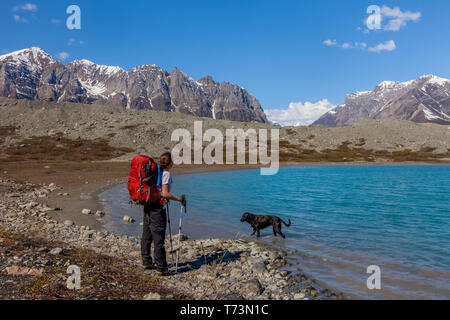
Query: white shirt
(167, 179)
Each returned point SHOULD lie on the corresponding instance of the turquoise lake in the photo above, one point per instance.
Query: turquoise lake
(344, 219)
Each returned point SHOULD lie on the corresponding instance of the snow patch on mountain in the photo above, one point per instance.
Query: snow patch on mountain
(93, 89)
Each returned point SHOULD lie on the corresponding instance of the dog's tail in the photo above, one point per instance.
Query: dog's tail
(287, 225)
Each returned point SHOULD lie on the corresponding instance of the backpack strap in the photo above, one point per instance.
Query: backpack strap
(159, 180)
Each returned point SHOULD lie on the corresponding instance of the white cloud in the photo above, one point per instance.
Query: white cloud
(73, 41)
(346, 46)
(387, 46)
(330, 42)
(62, 55)
(19, 19)
(26, 7)
(398, 18)
(334, 43)
(56, 21)
(299, 114)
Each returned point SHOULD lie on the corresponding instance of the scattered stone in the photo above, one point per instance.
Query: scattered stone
(86, 211)
(69, 223)
(252, 287)
(99, 213)
(152, 296)
(56, 251)
(258, 265)
(128, 219)
(299, 296)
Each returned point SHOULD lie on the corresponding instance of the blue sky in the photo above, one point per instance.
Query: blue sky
(275, 49)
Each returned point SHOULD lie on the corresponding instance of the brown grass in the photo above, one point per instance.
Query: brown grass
(346, 153)
(50, 148)
(131, 127)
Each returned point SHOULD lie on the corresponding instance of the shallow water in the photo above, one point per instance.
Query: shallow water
(344, 219)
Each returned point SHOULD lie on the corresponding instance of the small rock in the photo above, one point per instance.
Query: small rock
(252, 287)
(299, 296)
(128, 219)
(86, 211)
(99, 213)
(56, 251)
(68, 223)
(152, 296)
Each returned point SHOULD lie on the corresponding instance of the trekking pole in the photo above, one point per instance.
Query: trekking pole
(170, 230)
(179, 236)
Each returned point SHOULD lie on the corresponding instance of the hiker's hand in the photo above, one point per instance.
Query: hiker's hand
(183, 200)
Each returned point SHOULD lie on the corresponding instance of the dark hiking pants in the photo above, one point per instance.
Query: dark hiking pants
(154, 230)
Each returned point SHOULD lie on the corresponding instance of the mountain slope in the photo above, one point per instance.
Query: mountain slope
(425, 100)
(34, 75)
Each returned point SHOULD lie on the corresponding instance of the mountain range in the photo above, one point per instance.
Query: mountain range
(425, 100)
(33, 74)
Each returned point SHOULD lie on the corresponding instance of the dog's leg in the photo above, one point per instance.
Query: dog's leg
(254, 231)
(279, 230)
(258, 234)
(274, 231)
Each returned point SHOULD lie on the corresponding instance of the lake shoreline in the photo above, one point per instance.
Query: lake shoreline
(218, 269)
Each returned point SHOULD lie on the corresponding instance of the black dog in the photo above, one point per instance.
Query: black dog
(261, 222)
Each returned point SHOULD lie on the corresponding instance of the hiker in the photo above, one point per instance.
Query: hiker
(155, 221)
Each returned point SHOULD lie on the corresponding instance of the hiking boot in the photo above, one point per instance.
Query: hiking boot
(148, 266)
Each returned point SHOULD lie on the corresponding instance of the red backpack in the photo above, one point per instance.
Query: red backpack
(144, 181)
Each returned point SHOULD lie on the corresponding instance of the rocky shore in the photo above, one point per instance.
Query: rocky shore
(36, 250)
